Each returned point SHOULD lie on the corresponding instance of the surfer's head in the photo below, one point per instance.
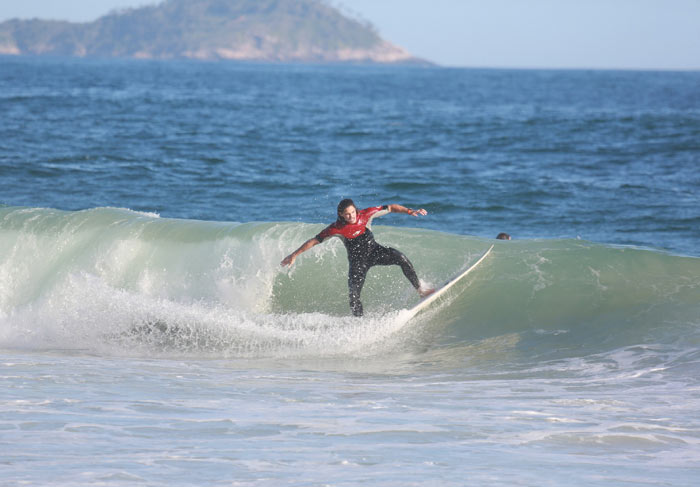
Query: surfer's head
(503, 236)
(347, 211)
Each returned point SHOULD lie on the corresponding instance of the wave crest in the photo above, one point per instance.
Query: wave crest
(120, 280)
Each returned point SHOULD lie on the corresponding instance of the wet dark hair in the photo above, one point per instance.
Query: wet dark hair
(344, 204)
(503, 236)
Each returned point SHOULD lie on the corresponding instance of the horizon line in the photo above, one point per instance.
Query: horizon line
(432, 64)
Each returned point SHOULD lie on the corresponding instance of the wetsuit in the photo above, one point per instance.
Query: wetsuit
(364, 252)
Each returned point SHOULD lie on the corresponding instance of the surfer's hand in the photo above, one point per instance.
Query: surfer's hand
(289, 260)
(417, 212)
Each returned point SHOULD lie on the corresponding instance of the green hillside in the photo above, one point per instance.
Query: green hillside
(260, 30)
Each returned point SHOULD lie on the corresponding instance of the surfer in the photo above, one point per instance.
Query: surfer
(352, 226)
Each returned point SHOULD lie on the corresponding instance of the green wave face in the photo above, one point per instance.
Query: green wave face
(98, 277)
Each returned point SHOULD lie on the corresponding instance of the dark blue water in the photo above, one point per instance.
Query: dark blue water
(607, 156)
(185, 355)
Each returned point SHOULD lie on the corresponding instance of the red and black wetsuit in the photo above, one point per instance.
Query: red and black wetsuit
(364, 252)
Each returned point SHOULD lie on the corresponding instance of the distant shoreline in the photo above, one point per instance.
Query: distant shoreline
(271, 31)
(425, 65)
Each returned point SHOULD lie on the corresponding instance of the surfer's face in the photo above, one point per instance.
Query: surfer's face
(349, 214)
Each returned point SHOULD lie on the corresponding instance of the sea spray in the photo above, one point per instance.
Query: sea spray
(123, 281)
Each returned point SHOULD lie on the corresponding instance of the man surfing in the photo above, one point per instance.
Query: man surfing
(352, 226)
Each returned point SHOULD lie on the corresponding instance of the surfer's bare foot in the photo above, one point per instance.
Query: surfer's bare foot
(425, 292)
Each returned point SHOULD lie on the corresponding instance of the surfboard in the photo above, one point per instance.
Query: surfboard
(428, 300)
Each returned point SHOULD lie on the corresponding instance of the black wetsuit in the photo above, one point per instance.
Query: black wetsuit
(364, 252)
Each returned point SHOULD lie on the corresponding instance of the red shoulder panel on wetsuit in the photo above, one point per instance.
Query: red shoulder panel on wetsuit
(354, 230)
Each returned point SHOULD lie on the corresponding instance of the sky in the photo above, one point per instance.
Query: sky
(597, 34)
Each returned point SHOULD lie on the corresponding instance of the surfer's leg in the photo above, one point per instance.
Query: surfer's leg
(356, 279)
(391, 256)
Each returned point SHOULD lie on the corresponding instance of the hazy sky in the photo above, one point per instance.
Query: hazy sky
(646, 34)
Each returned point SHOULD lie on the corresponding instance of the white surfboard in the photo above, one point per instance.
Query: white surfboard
(425, 302)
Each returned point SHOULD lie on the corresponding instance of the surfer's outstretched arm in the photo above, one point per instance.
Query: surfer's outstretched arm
(289, 260)
(394, 208)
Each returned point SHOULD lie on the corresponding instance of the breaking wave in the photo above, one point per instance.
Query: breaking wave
(116, 281)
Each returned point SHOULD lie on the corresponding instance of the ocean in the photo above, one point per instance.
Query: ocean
(149, 335)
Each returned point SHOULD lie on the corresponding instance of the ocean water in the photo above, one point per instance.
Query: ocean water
(149, 336)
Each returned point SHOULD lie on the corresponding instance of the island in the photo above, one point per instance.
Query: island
(287, 31)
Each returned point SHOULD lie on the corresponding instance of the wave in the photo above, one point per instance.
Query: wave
(113, 280)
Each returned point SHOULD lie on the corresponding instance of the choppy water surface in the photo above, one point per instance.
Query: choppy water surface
(149, 336)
